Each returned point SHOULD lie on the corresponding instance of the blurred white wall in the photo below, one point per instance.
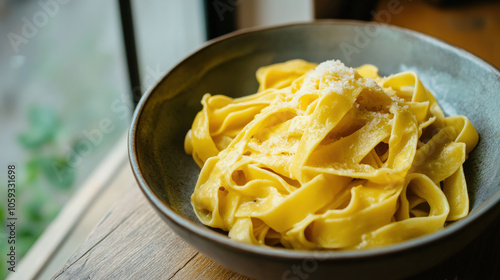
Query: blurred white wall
(166, 32)
(264, 12)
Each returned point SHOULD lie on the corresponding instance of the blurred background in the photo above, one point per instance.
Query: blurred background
(72, 71)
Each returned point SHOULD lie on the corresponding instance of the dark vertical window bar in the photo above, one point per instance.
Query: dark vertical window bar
(220, 17)
(345, 9)
(130, 49)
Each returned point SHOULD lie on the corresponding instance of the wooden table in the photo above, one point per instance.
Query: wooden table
(132, 242)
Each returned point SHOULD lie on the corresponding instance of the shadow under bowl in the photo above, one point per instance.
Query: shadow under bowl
(462, 83)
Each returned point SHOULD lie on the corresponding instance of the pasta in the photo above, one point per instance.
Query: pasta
(327, 156)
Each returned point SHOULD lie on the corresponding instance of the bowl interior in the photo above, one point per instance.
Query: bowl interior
(462, 84)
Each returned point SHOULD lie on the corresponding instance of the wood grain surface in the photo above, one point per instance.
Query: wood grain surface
(132, 242)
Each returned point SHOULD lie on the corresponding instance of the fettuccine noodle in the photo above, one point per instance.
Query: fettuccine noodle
(327, 156)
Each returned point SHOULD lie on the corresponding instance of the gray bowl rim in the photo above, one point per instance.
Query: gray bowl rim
(289, 254)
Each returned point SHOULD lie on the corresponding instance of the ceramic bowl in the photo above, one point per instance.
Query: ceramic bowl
(462, 83)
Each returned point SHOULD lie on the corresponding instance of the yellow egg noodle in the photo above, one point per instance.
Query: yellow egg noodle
(327, 156)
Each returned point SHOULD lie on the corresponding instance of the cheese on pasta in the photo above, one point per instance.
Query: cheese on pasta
(327, 156)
